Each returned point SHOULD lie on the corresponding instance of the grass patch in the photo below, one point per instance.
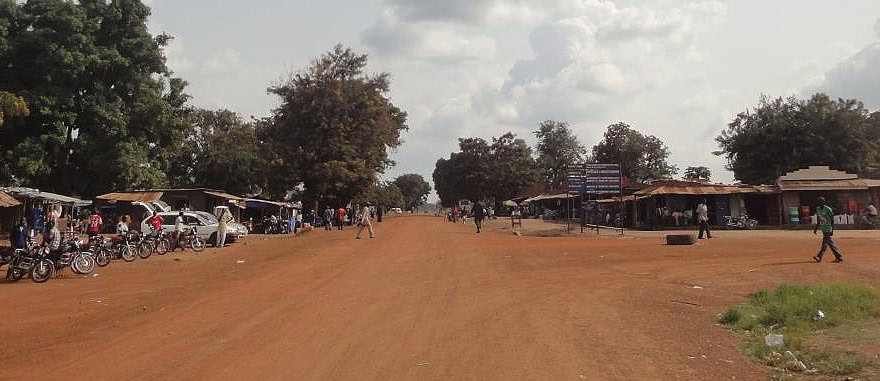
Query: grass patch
(791, 310)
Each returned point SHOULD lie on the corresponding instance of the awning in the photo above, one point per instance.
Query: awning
(131, 196)
(7, 201)
(701, 190)
(824, 185)
(35, 194)
(262, 204)
(223, 195)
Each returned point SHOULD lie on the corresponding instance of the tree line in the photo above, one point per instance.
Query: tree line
(89, 106)
(761, 144)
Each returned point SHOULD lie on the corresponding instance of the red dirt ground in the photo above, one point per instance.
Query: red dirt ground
(428, 300)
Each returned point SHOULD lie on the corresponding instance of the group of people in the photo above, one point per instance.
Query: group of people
(362, 217)
(477, 211)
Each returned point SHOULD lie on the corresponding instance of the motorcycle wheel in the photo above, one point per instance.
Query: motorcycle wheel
(43, 270)
(84, 262)
(752, 224)
(102, 257)
(128, 254)
(144, 249)
(162, 246)
(197, 244)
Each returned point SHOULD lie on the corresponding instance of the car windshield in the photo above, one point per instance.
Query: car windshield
(208, 217)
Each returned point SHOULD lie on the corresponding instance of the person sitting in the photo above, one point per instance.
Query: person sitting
(870, 217)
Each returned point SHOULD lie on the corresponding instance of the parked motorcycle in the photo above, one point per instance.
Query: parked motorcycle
(70, 254)
(26, 262)
(191, 238)
(740, 223)
(123, 248)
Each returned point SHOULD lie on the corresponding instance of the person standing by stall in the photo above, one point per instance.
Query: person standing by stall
(95, 223)
(825, 221)
(222, 227)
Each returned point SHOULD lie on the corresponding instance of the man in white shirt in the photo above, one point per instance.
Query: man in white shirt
(364, 222)
(179, 229)
(703, 219)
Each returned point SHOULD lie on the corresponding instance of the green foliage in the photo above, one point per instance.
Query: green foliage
(333, 129)
(790, 310)
(12, 106)
(782, 135)
(641, 157)
(698, 173)
(480, 170)
(221, 143)
(557, 149)
(384, 194)
(105, 112)
(414, 190)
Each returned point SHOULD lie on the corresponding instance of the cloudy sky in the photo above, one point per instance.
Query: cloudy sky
(677, 69)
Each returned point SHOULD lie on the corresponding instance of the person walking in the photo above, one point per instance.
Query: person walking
(479, 214)
(825, 221)
(703, 219)
(222, 228)
(328, 218)
(364, 222)
(340, 218)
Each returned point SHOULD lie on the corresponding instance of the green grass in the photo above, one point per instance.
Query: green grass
(789, 310)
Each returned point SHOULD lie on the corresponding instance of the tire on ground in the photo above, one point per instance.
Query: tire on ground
(681, 239)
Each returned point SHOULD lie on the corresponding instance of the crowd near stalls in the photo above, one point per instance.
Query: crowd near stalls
(269, 217)
(665, 204)
(38, 207)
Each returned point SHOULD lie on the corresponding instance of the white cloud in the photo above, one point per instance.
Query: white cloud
(427, 40)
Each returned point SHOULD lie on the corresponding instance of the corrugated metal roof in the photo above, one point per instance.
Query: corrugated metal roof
(36, 194)
(131, 196)
(700, 189)
(7, 201)
(872, 183)
(823, 185)
(817, 172)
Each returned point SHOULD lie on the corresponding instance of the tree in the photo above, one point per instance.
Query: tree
(641, 157)
(558, 148)
(222, 153)
(782, 135)
(385, 194)
(12, 106)
(333, 129)
(698, 173)
(480, 170)
(103, 112)
(414, 189)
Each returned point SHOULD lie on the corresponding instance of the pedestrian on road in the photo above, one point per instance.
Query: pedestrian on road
(340, 218)
(825, 220)
(703, 219)
(364, 222)
(479, 214)
(328, 218)
(222, 227)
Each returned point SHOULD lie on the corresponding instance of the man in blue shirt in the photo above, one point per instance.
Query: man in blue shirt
(825, 221)
(19, 236)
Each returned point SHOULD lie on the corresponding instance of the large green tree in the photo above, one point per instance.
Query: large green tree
(414, 189)
(479, 170)
(105, 112)
(334, 128)
(781, 135)
(641, 157)
(558, 148)
(222, 152)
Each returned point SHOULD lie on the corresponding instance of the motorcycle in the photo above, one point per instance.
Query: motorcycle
(26, 261)
(71, 255)
(122, 248)
(740, 223)
(191, 238)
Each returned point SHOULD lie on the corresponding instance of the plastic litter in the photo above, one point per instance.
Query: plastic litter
(819, 315)
(773, 340)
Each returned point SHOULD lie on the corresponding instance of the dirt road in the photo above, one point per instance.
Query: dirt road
(428, 300)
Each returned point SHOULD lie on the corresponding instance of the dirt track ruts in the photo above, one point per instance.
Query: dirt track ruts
(426, 300)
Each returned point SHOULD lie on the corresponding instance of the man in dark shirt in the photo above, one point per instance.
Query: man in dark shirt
(479, 215)
(18, 237)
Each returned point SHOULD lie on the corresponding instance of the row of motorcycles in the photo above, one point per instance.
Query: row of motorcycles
(41, 263)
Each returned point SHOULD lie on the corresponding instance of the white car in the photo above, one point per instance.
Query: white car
(206, 224)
